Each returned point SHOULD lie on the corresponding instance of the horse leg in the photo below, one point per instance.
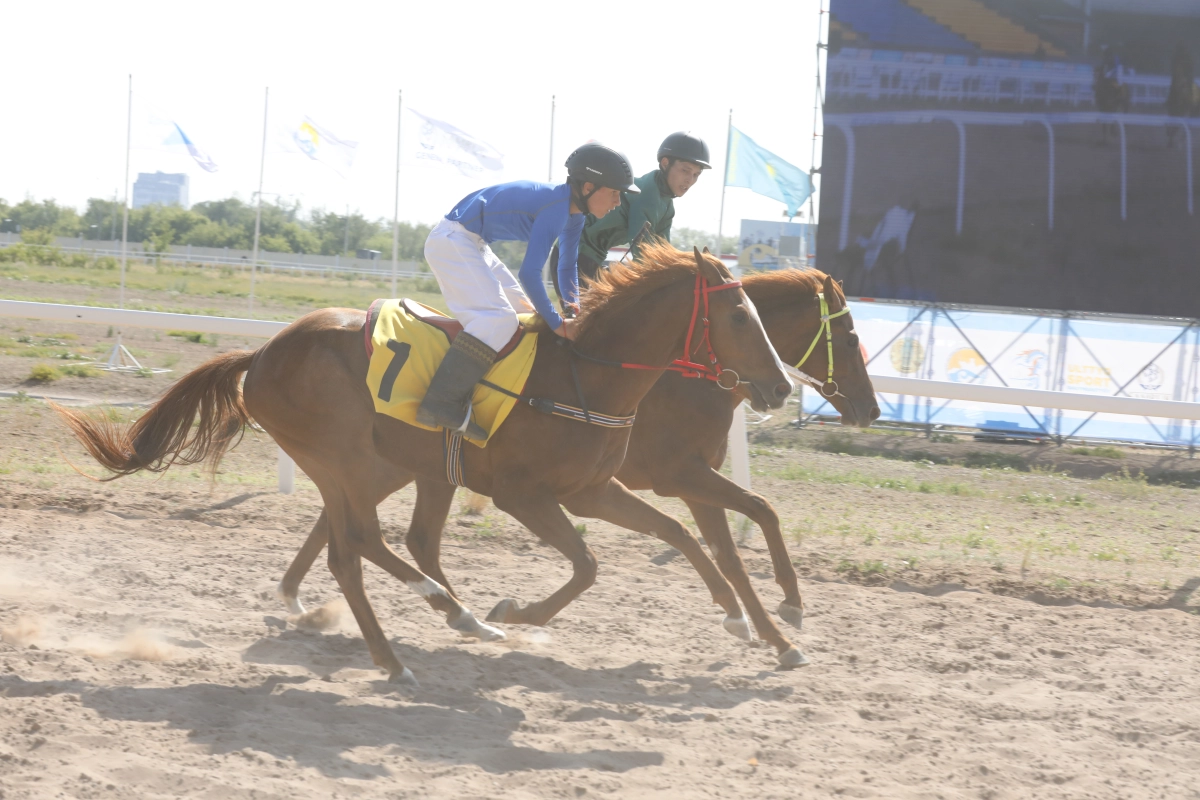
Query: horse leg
(424, 538)
(538, 510)
(703, 485)
(715, 528)
(616, 504)
(289, 588)
(345, 527)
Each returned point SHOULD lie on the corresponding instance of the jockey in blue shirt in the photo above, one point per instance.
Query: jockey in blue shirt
(481, 291)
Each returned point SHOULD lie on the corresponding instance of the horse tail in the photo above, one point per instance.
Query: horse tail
(169, 432)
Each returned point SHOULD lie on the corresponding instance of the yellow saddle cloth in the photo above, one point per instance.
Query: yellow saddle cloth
(405, 352)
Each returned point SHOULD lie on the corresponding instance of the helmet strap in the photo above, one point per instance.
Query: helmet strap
(665, 171)
(578, 197)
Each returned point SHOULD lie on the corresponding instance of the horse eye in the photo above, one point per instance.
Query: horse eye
(740, 316)
(853, 340)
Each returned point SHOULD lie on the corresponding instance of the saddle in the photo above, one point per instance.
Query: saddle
(405, 342)
(431, 316)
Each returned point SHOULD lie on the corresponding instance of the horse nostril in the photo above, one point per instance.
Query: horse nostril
(874, 413)
(783, 389)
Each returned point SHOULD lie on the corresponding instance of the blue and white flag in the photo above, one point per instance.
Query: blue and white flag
(439, 142)
(761, 171)
(306, 136)
(202, 158)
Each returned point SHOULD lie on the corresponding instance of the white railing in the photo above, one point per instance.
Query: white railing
(270, 262)
(912, 387)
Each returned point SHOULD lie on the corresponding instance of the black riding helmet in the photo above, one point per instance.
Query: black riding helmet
(684, 146)
(602, 166)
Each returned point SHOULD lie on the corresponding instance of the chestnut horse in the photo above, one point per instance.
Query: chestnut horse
(307, 388)
(678, 444)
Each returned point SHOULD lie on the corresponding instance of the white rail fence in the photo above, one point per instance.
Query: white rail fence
(1137, 406)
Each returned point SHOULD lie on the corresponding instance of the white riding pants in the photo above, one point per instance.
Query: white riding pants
(479, 290)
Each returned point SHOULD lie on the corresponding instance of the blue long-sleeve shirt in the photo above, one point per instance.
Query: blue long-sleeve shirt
(537, 213)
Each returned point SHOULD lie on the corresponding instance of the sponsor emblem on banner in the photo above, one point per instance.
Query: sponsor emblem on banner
(1151, 378)
(1029, 366)
(1088, 378)
(908, 355)
(965, 366)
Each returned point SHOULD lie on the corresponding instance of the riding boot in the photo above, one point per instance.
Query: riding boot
(447, 403)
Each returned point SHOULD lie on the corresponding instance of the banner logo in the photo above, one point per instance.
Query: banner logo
(1151, 378)
(965, 366)
(907, 355)
(1030, 365)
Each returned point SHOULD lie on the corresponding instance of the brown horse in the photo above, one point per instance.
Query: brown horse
(678, 444)
(307, 388)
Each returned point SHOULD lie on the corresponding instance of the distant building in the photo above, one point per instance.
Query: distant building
(160, 188)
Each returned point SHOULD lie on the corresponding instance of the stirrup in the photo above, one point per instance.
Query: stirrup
(470, 428)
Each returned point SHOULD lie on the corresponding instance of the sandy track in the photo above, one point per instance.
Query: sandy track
(145, 656)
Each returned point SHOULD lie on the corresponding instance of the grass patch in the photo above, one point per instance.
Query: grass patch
(44, 373)
(291, 294)
(191, 336)
(1104, 451)
(81, 371)
(795, 472)
(845, 444)
(862, 569)
(978, 460)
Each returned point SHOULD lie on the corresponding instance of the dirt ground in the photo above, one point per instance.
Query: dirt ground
(985, 620)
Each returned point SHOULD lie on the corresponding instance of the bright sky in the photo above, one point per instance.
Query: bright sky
(625, 73)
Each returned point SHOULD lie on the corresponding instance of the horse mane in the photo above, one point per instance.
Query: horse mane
(623, 285)
(771, 290)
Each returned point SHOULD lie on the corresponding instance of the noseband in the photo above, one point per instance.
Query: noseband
(825, 328)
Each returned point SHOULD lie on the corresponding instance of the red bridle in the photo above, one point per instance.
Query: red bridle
(713, 370)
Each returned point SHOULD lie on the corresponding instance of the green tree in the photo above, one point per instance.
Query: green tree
(687, 238)
(47, 215)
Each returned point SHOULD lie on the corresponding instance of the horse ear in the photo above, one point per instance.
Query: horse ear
(832, 294)
(705, 249)
(711, 268)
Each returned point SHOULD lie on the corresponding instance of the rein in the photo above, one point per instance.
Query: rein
(712, 371)
(826, 329)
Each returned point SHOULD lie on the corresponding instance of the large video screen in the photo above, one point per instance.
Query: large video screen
(1023, 153)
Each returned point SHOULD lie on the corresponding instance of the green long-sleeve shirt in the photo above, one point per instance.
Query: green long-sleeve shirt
(655, 205)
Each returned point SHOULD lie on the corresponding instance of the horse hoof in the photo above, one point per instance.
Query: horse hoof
(503, 610)
(738, 627)
(404, 678)
(792, 658)
(468, 626)
(792, 615)
(294, 606)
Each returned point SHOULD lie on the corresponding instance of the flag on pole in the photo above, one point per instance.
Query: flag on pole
(309, 138)
(439, 142)
(202, 158)
(765, 173)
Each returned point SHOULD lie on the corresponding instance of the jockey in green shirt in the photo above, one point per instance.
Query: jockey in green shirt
(681, 158)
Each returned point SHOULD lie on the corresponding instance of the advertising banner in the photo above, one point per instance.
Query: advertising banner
(1154, 361)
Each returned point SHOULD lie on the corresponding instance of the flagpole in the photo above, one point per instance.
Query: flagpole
(262, 165)
(739, 451)
(550, 168)
(812, 167)
(724, 181)
(396, 212)
(125, 223)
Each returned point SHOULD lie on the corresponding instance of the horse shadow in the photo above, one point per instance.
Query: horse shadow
(286, 718)
(447, 672)
(450, 720)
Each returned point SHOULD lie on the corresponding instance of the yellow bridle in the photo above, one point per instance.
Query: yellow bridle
(823, 328)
